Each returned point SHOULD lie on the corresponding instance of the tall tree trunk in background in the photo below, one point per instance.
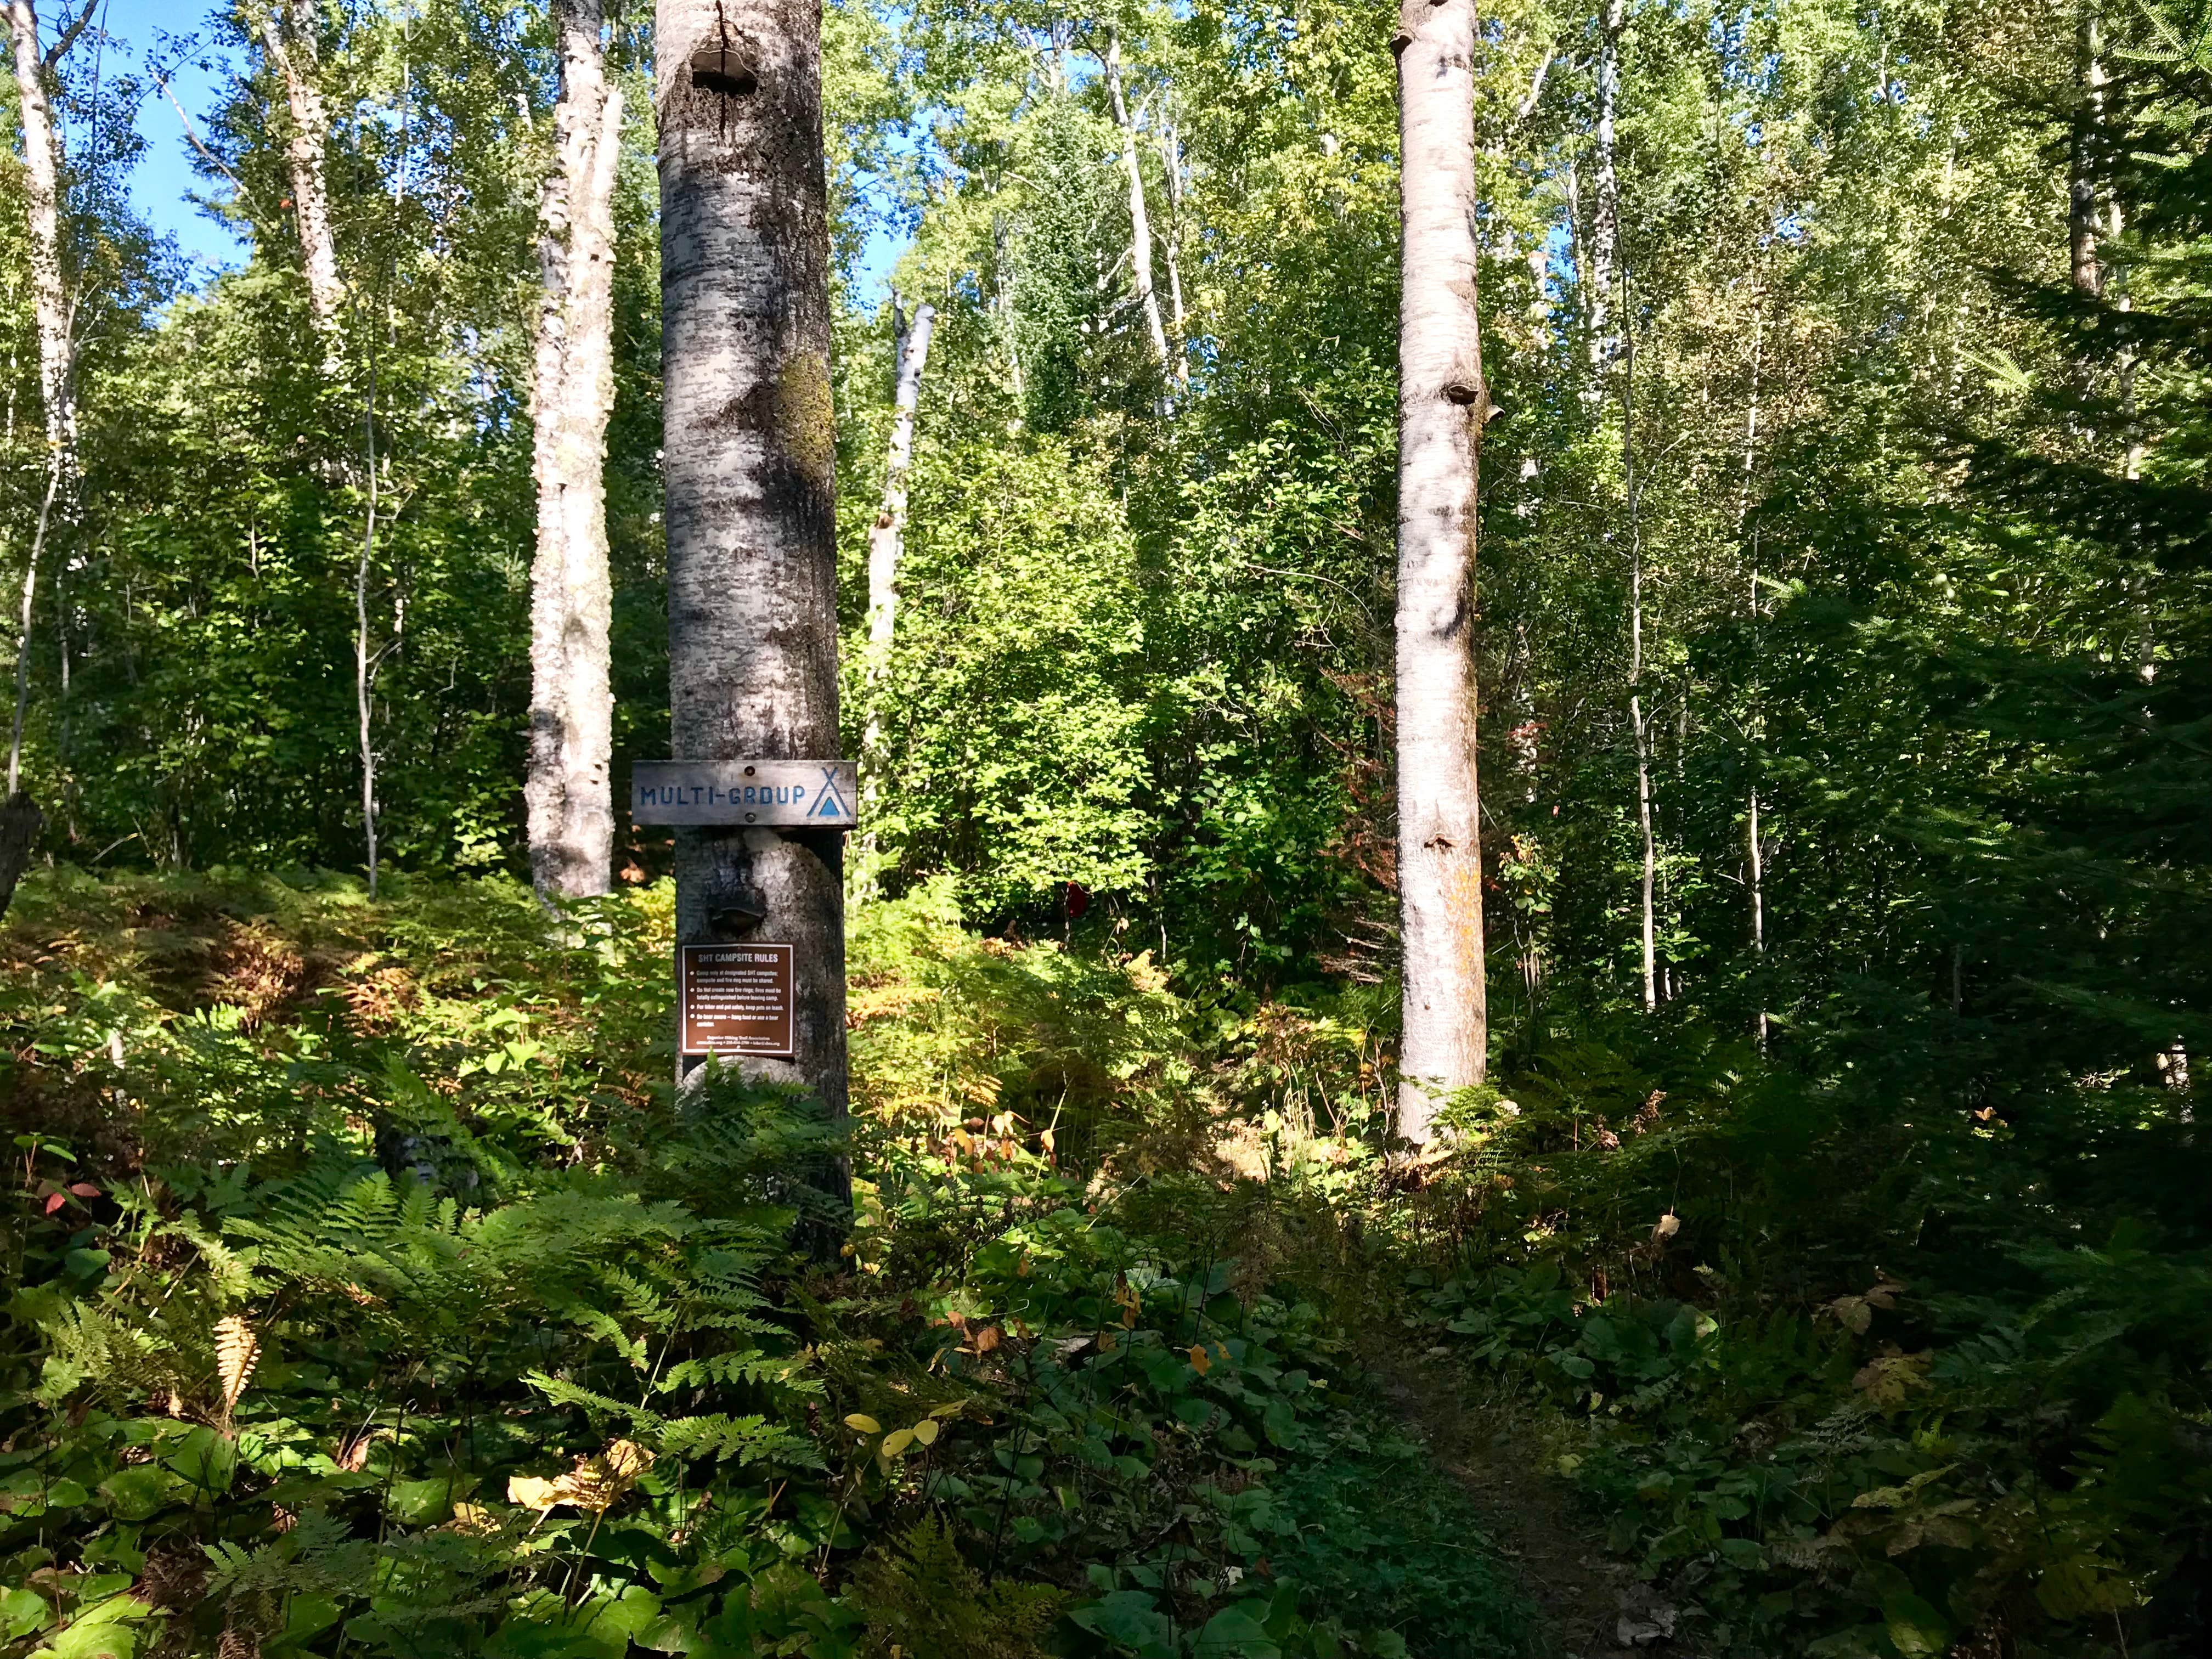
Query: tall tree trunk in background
(1140, 224)
(1605, 212)
(1638, 716)
(749, 459)
(1171, 160)
(886, 536)
(288, 34)
(1757, 870)
(2085, 160)
(569, 793)
(20, 817)
(1443, 403)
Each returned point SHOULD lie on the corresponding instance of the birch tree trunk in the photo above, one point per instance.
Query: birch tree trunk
(886, 536)
(749, 455)
(1605, 212)
(1443, 403)
(288, 34)
(20, 817)
(568, 792)
(1140, 224)
(2084, 163)
(1172, 160)
(1757, 854)
(1640, 719)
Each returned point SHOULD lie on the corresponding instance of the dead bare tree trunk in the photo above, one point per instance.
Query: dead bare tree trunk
(749, 459)
(52, 318)
(568, 792)
(1140, 224)
(287, 35)
(1443, 403)
(886, 538)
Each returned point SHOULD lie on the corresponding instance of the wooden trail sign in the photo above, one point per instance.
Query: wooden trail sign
(735, 999)
(812, 794)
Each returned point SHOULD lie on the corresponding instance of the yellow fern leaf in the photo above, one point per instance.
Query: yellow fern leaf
(236, 1349)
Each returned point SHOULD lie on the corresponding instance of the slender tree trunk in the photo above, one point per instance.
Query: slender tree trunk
(20, 817)
(364, 662)
(886, 537)
(288, 34)
(1604, 214)
(568, 792)
(1171, 160)
(1638, 720)
(749, 459)
(1443, 403)
(1140, 224)
(1757, 857)
(2085, 163)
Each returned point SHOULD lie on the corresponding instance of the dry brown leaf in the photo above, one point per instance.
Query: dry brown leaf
(236, 1350)
(1667, 1226)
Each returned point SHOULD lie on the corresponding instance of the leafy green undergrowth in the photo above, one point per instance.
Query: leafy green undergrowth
(1810, 1377)
(375, 1295)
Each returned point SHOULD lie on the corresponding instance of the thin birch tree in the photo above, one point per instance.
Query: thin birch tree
(749, 459)
(1443, 404)
(1140, 224)
(568, 791)
(886, 541)
(52, 314)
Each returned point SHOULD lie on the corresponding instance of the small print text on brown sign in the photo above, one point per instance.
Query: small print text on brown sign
(735, 999)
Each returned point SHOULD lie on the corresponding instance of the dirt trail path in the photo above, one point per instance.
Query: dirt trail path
(1580, 1593)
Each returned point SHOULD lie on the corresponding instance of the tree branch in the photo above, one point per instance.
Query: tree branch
(69, 35)
(191, 132)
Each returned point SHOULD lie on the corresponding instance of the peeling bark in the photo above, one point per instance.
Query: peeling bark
(749, 455)
(1443, 403)
(568, 792)
(287, 35)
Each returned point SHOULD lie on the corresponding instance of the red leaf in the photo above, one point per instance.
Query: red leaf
(84, 1189)
(56, 1202)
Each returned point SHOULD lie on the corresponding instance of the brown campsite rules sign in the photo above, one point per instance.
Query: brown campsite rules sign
(735, 999)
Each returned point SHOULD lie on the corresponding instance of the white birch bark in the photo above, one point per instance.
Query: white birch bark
(1172, 160)
(886, 536)
(1443, 403)
(1605, 211)
(287, 35)
(568, 793)
(42, 169)
(1756, 851)
(749, 459)
(52, 319)
(1140, 225)
(1639, 721)
(2084, 163)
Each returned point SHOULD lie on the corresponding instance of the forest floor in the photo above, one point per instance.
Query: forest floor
(1584, 1600)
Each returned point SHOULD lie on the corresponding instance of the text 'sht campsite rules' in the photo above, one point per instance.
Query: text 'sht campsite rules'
(735, 999)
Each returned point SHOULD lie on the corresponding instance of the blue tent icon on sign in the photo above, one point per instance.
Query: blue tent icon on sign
(829, 804)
